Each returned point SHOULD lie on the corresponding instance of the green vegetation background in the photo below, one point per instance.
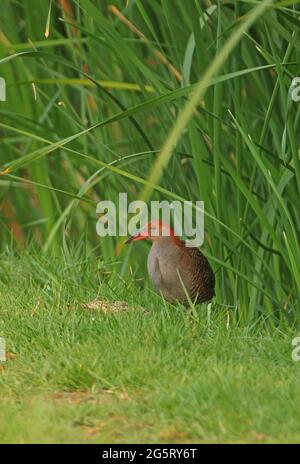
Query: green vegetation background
(167, 100)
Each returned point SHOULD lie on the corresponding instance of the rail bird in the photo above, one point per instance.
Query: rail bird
(178, 272)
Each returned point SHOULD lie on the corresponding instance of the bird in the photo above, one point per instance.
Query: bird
(180, 273)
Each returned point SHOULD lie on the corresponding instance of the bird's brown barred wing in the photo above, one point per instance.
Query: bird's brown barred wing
(202, 280)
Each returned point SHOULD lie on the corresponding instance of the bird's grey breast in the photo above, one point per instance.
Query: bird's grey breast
(154, 268)
(162, 264)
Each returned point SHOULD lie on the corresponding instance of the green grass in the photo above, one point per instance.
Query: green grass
(78, 375)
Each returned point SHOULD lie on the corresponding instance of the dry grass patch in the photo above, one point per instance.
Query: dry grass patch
(107, 307)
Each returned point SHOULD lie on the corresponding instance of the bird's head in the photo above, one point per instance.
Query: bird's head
(154, 231)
